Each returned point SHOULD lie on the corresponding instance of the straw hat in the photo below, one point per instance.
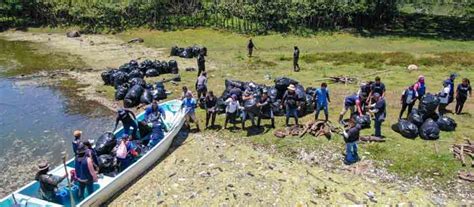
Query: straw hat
(77, 133)
(43, 165)
(291, 87)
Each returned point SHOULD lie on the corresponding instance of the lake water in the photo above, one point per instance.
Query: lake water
(37, 121)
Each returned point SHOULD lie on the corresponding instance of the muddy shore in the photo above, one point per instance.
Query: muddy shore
(210, 170)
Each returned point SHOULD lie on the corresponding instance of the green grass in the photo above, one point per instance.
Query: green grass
(333, 55)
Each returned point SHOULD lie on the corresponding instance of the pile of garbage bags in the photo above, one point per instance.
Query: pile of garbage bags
(275, 94)
(188, 52)
(425, 121)
(130, 85)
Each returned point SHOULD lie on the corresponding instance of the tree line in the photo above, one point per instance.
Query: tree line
(245, 16)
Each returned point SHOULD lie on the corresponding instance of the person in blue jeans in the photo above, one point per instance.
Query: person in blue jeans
(291, 103)
(128, 120)
(378, 109)
(321, 97)
(351, 136)
(85, 172)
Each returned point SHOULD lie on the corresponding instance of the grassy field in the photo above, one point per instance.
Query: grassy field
(327, 55)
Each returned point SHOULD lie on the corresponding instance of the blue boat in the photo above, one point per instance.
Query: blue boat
(107, 186)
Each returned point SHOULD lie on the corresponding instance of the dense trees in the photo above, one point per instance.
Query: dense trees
(247, 16)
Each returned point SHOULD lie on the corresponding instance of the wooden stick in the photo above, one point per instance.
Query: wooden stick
(68, 182)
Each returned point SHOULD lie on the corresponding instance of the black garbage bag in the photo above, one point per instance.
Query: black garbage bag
(429, 130)
(146, 97)
(272, 93)
(138, 81)
(309, 104)
(157, 65)
(173, 67)
(229, 84)
(277, 111)
(363, 120)
(300, 92)
(415, 117)
(174, 51)
(310, 91)
(250, 106)
(220, 105)
(132, 98)
(143, 129)
(107, 76)
(119, 78)
(125, 68)
(407, 129)
(105, 143)
(196, 50)
(446, 123)
(282, 83)
(160, 92)
(204, 51)
(165, 68)
(135, 74)
(107, 163)
(147, 64)
(428, 104)
(188, 52)
(177, 78)
(152, 72)
(121, 92)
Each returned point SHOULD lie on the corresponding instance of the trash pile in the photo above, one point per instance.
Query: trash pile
(275, 94)
(459, 150)
(315, 128)
(188, 52)
(130, 85)
(105, 151)
(425, 121)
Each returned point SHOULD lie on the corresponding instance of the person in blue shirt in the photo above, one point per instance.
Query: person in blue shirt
(154, 111)
(128, 120)
(352, 103)
(321, 97)
(450, 81)
(378, 109)
(85, 172)
(77, 140)
(408, 99)
(157, 132)
(189, 105)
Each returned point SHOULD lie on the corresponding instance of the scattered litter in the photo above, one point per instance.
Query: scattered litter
(459, 150)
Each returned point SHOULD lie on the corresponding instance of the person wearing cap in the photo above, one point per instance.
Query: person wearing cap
(247, 97)
(408, 99)
(189, 105)
(154, 111)
(90, 151)
(48, 182)
(210, 104)
(450, 81)
(266, 110)
(128, 119)
(377, 87)
(291, 103)
(85, 172)
(351, 103)
(378, 109)
(462, 92)
(296, 57)
(231, 109)
(321, 97)
(201, 85)
(443, 96)
(77, 139)
(420, 87)
(201, 62)
(351, 136)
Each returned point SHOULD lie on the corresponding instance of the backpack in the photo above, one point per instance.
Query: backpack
(122, 151)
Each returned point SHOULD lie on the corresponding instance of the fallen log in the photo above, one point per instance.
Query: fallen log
(371, 139)
(468, 176)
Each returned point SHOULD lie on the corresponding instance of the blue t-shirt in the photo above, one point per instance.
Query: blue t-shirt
(322, 96)
(189, 105)
(351, 100)
(149, 113)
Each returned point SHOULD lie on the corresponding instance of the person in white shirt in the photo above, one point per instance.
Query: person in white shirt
(231, 110)
(444, 98)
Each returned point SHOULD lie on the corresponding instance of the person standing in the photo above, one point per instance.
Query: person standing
(247, 98)
(377, 87)
(183, 92)
(378, 109)
(351, 136)
(351, 103)
(92, 153)
(444, 97)
(408, 99)
(250, 47)
(296, 57)
(231, 110)
(189, 105)
(321, 97)
(201, 62)
(291, 103)
(48, 182)
(462, 91)
(128, 120)
(363, 93)
(420, 87)
(210, 104)
(265, 108)
(450, 81)
(77, 140)
(85, 172)
(201, 85)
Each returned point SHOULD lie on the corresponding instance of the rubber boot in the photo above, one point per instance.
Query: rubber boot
(287, 121)
(326, 117)
(273, 123)
(340, 119)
